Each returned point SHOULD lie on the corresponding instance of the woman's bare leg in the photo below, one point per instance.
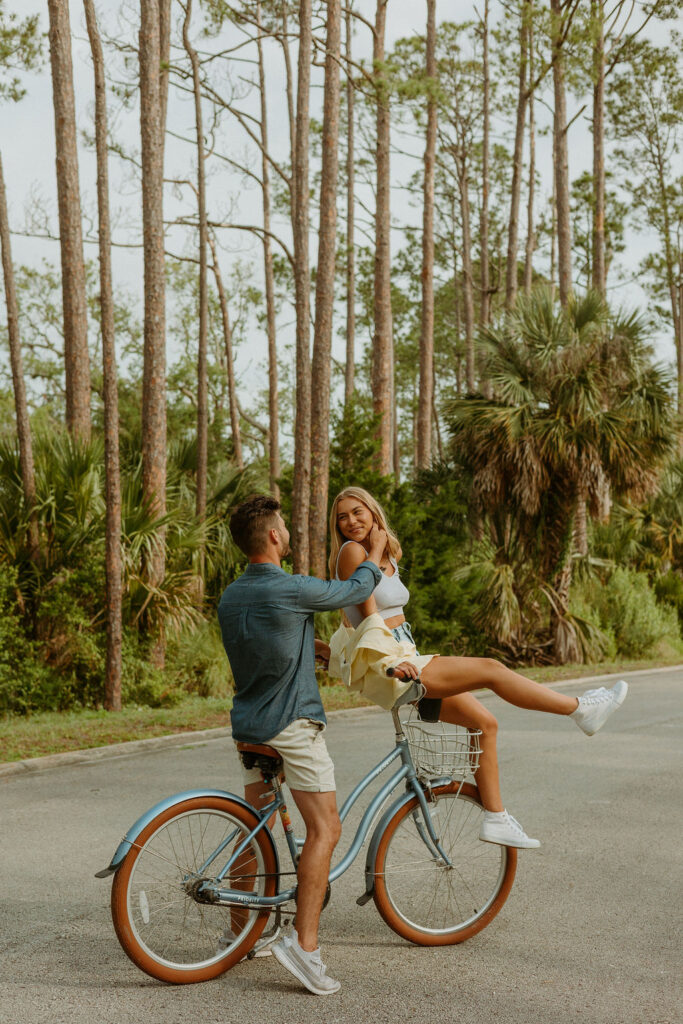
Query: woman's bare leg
(466, 710)
(446, 677)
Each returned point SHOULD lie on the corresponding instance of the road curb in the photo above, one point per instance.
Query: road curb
(190, 739)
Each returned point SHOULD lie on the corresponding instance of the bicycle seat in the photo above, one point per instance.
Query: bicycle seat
(261, 756)
(258, 748)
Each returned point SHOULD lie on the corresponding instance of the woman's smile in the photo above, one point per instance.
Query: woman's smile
(354, 519)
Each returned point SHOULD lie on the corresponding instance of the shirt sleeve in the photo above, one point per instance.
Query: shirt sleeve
(326, 595)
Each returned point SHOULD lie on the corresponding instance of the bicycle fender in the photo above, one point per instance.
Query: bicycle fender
(134, 831)
(404, 798)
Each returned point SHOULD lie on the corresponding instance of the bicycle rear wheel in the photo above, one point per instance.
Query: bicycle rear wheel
(430, 903)
(161, 926)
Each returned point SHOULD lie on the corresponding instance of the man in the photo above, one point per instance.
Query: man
(266, 619)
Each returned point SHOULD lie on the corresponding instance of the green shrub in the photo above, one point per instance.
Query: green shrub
(581, 607)
(669, 590)
(198, 663)
(141, 683)
(72, 635)
(26, 683)
(627, 608)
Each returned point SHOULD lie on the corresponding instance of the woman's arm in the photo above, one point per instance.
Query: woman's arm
(350, 558)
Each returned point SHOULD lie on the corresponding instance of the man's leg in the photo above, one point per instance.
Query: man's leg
(256, 793)
(323, 829)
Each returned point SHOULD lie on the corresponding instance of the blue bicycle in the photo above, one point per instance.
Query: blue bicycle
(197, 878)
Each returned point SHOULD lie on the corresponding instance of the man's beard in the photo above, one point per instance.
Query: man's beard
(286, 550)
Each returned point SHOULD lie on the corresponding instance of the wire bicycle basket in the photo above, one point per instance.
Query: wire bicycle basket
(439, 750)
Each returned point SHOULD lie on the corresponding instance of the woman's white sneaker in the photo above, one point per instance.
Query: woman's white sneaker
(595, 707)
(501, 828)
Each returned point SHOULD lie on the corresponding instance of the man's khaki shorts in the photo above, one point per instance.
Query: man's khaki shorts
(307, 764)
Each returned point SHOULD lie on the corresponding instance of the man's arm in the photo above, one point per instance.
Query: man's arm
(326, 595)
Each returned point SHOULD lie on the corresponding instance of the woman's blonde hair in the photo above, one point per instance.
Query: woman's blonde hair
(378, 514)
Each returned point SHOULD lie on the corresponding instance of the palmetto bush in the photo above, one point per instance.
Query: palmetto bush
(58, 595)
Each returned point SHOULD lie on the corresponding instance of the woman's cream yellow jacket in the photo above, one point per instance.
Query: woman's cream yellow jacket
(360, 657)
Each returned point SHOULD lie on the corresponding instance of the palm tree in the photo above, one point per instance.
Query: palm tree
(648, 537)
(581, 415)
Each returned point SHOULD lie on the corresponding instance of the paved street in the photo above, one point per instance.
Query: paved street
(588, 934)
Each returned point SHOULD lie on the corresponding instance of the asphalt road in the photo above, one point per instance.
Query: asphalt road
(588, 934)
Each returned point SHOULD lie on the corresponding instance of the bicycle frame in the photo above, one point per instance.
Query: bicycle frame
(231, 897)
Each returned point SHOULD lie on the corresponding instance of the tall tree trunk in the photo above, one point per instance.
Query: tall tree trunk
(678, 327)
(302, 283)
(553, 239)
(395, 447)
(76, 357)
(467, 280)
(456, 298)
(229, 360)
(112, 473)
(20, 404)
(530, 228)
(382, 343)
(561, 156)
(485, 304)
(426, 388)
(511, 267)
(324, 297)
(599, 281)
(674, 265)
(164, 60)
(154, 353)
(581, 520)
(349, 372)
(203, 311)
(289, 78)
(437, 429)
(273, 405)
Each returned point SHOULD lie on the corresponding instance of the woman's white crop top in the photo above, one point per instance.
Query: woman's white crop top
(390, 595)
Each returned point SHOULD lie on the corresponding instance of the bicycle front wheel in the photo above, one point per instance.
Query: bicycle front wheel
(429, 902)
(160, 924)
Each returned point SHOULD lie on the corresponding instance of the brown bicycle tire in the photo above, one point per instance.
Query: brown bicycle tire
(119, 895)
(383, 901)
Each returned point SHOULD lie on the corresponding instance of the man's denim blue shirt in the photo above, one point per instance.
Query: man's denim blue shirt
(266, 619)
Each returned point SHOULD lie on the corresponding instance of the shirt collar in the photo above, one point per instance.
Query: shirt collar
(261, 568)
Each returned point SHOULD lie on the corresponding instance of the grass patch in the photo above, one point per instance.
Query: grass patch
(54, 732)
(57, 732)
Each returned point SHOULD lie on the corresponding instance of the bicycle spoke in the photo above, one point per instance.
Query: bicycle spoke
(434, 898)
(171, 925)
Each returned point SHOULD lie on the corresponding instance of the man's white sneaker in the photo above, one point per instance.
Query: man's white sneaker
(595, 706)
(501, 828)
(308, 968)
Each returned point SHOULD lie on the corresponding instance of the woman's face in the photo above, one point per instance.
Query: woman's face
(354, 519)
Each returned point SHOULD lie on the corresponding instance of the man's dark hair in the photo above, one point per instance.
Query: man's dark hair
(250, 522)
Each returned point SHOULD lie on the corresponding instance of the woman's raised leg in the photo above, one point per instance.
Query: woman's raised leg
(467, 711)
(497, 825)
(447, 677)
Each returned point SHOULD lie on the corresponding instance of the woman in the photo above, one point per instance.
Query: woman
(354, 511)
